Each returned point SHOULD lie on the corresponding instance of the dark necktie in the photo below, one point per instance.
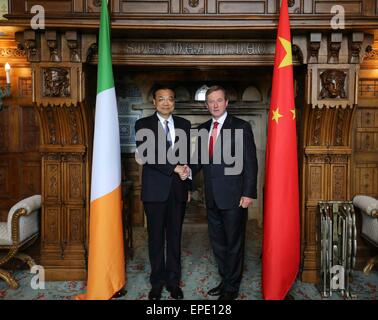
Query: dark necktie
(168, 134)
(213, 138)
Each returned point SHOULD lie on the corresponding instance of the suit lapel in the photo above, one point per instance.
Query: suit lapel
(157, 129)
(176, 124)
(155, 123)
(207, 126)
(227, 123)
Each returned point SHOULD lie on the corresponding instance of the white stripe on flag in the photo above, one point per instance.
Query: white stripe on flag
(106, 165)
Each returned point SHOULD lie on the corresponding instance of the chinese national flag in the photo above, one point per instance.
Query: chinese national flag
(281, 244)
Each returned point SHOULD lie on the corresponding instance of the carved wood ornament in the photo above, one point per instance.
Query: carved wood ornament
(56, 82)
(193, 3)
(332, 84)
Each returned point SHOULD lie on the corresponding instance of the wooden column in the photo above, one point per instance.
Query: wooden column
(65, 117)
(65, 192)
(332, 85)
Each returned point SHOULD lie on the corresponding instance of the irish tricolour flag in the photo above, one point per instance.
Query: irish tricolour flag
(106, 263)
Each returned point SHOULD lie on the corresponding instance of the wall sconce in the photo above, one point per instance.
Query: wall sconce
(5, 92)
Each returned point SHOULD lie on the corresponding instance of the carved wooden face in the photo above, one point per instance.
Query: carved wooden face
(333, 83)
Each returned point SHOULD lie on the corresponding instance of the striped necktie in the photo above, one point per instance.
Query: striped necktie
(167, 133)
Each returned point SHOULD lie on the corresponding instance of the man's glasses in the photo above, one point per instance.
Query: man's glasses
(166, 99)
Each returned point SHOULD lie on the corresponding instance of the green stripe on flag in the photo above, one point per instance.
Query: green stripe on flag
(105, 71)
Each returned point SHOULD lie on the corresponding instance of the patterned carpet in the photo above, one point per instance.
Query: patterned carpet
(199, 274)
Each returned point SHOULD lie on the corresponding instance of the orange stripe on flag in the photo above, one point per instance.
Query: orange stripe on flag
(106, 264)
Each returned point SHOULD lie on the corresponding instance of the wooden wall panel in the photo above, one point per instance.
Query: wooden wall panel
(369, 7)
(50, 225)
(316, 181)
(29, 168)
(366, 179)
(272, 6)
(350, 7)
(307, 6)
(29, 129)
(366, 141)
(211, 6)
(309, 264)
(368, 119)
(4, 130)
(5, 177)
(61, 6)
(366, 151)
(74, 178)
(76, 221)
(52, 181)
(245, 7)
(145, 7)
(339, 182)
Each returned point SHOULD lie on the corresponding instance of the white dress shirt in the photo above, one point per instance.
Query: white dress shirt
(171, 126)
(220, 125)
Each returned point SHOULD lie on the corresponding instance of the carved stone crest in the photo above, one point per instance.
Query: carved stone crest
(56, 82)
(333, 84)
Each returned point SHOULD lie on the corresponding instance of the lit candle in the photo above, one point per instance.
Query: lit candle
(7, 72)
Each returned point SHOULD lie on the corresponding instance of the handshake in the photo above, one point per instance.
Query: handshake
(182, 171)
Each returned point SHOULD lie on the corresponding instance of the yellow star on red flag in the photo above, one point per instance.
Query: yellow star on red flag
(276, 115)
(288, 58)
(293, 112)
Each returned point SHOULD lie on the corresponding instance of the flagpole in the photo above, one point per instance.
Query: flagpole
(281, 242)
(106, 261)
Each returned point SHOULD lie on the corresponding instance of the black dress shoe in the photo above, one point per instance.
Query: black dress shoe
(119, 293)
(228, 296)
(217, 291)
(155, 293)
(176, 292)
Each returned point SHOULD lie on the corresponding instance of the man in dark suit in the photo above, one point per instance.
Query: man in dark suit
(228, 191)
(164, 192)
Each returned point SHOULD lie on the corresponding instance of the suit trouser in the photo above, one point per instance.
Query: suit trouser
(227, 237)
(164, 226)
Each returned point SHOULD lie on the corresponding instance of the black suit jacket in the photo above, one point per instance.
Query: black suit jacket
(226, 190)
(158, 179)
